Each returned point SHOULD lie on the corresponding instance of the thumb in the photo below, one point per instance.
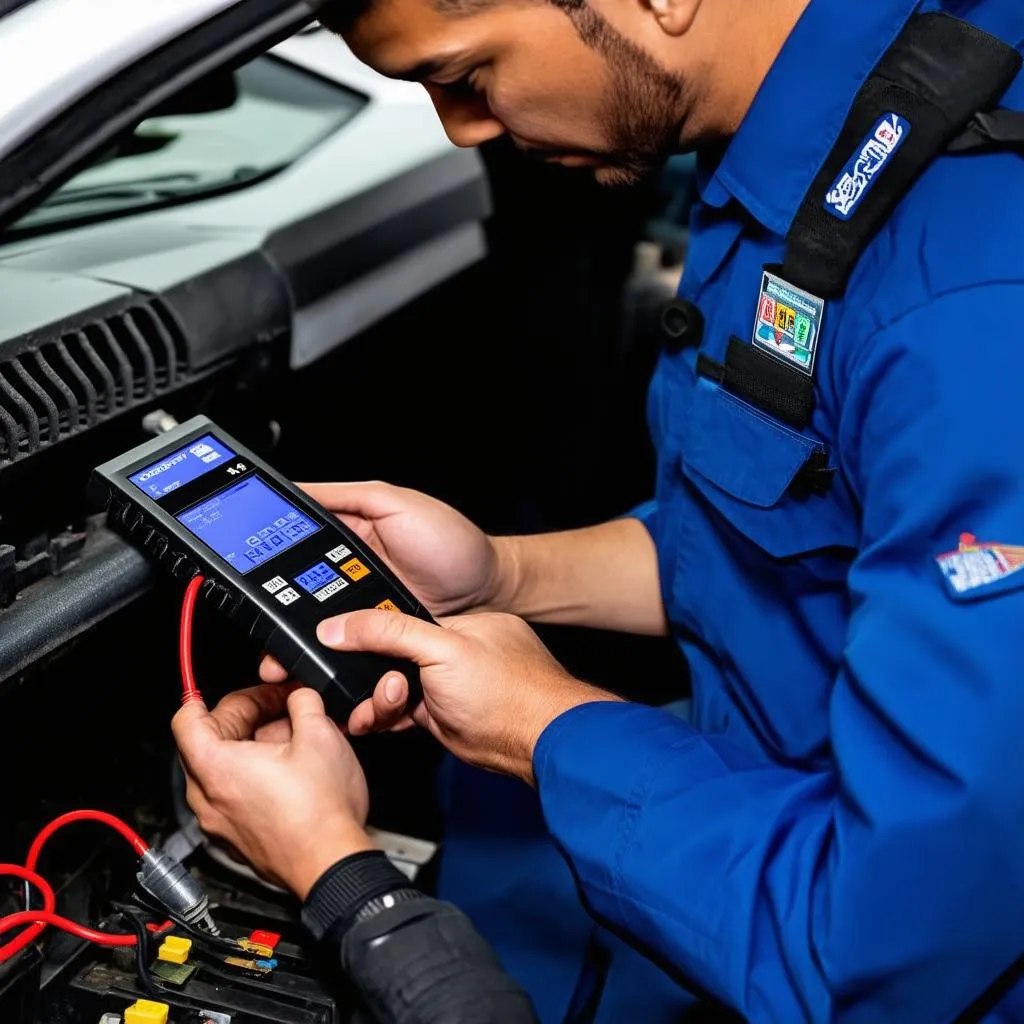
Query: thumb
(191, 726)
(372, 499)
(384, 632)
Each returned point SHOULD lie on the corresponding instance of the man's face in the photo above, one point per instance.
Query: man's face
(521, 67)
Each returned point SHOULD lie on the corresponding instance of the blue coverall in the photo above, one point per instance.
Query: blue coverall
(838, 832)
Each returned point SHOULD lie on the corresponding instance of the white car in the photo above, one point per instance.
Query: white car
(189, 188)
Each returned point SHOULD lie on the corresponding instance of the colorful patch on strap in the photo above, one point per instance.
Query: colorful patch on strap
(976, 566)
(788, 322)
(859, 175)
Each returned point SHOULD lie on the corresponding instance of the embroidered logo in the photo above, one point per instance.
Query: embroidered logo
(788, 322)
(975, 564)
(857, 177)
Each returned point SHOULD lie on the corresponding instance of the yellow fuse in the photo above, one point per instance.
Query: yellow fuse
(145, 1011)
(174, 949)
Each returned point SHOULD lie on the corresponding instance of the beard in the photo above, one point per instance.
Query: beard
(641, 118)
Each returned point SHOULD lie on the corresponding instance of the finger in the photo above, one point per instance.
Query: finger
(390, 696)
(241, 713)
(272, 671)
(383, 632)
(362, 719)
(370, 499)
(274, 732)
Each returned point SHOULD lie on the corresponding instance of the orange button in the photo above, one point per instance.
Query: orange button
(388, 605)
(354, 569)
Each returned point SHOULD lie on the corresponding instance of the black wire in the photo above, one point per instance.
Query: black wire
(217, 941)
(142, 953)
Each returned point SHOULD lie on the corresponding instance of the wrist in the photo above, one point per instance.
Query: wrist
(351, 889)
(559, 700)
(506, 573)
(321, 851)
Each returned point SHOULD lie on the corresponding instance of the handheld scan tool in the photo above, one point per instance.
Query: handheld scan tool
(273, 561)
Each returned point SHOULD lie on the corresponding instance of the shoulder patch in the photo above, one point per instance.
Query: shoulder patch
(862, 169)
(975, 568)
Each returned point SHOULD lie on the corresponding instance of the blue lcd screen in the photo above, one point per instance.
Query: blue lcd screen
(319, 576)
(247, 523)
(195, 459)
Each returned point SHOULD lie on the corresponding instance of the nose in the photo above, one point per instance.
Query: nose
(467, 120)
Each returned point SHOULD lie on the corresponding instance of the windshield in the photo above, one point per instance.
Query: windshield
(267, 115)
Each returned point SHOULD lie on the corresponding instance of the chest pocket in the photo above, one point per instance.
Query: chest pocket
(745, 462)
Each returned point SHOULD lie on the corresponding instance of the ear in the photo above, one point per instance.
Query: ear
(674, 16)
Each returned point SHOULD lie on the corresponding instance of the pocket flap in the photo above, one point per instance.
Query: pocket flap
(750, 456)
(743, 461)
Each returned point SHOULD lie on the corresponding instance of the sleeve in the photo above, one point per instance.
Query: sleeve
(414, 960)
(647, 513)
(888, 889)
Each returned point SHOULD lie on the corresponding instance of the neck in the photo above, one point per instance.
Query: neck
(744, 39)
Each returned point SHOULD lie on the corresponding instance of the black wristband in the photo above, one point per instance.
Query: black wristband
(344, 889)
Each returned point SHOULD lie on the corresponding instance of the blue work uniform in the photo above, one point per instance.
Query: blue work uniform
(837, 834)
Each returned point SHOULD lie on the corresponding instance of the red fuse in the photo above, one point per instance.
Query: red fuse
(269, 939)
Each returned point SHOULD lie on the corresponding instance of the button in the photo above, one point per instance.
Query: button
(330, 590)
(339, 553)
(183, 568)
(355, 570)
(387, 605)
(288, 595)
(682, 324)
(274, 585)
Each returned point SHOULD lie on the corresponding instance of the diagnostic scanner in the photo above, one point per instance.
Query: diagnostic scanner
(199, 502)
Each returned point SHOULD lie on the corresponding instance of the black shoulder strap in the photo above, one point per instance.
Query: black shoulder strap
(933, 92)
(938, 74)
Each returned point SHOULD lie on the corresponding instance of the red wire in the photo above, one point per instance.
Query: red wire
(39, 919)
(138, 843)
(29, 935)
(189, 690)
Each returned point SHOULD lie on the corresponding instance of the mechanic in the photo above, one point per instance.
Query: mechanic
(412, 959)
(835, 833)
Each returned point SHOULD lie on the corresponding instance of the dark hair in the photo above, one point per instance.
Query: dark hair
(340, 15)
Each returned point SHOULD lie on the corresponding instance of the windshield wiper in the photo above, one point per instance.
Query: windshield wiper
(144, 189)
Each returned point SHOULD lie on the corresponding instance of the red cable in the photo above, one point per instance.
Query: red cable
(29, 935)
(138, 843)
(39, 919)
(189, 690)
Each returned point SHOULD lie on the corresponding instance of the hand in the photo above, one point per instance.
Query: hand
(449, 564)
(287, 793)
(490, 687)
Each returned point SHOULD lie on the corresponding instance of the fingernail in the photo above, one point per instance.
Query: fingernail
(331, 632)
(392, 689)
